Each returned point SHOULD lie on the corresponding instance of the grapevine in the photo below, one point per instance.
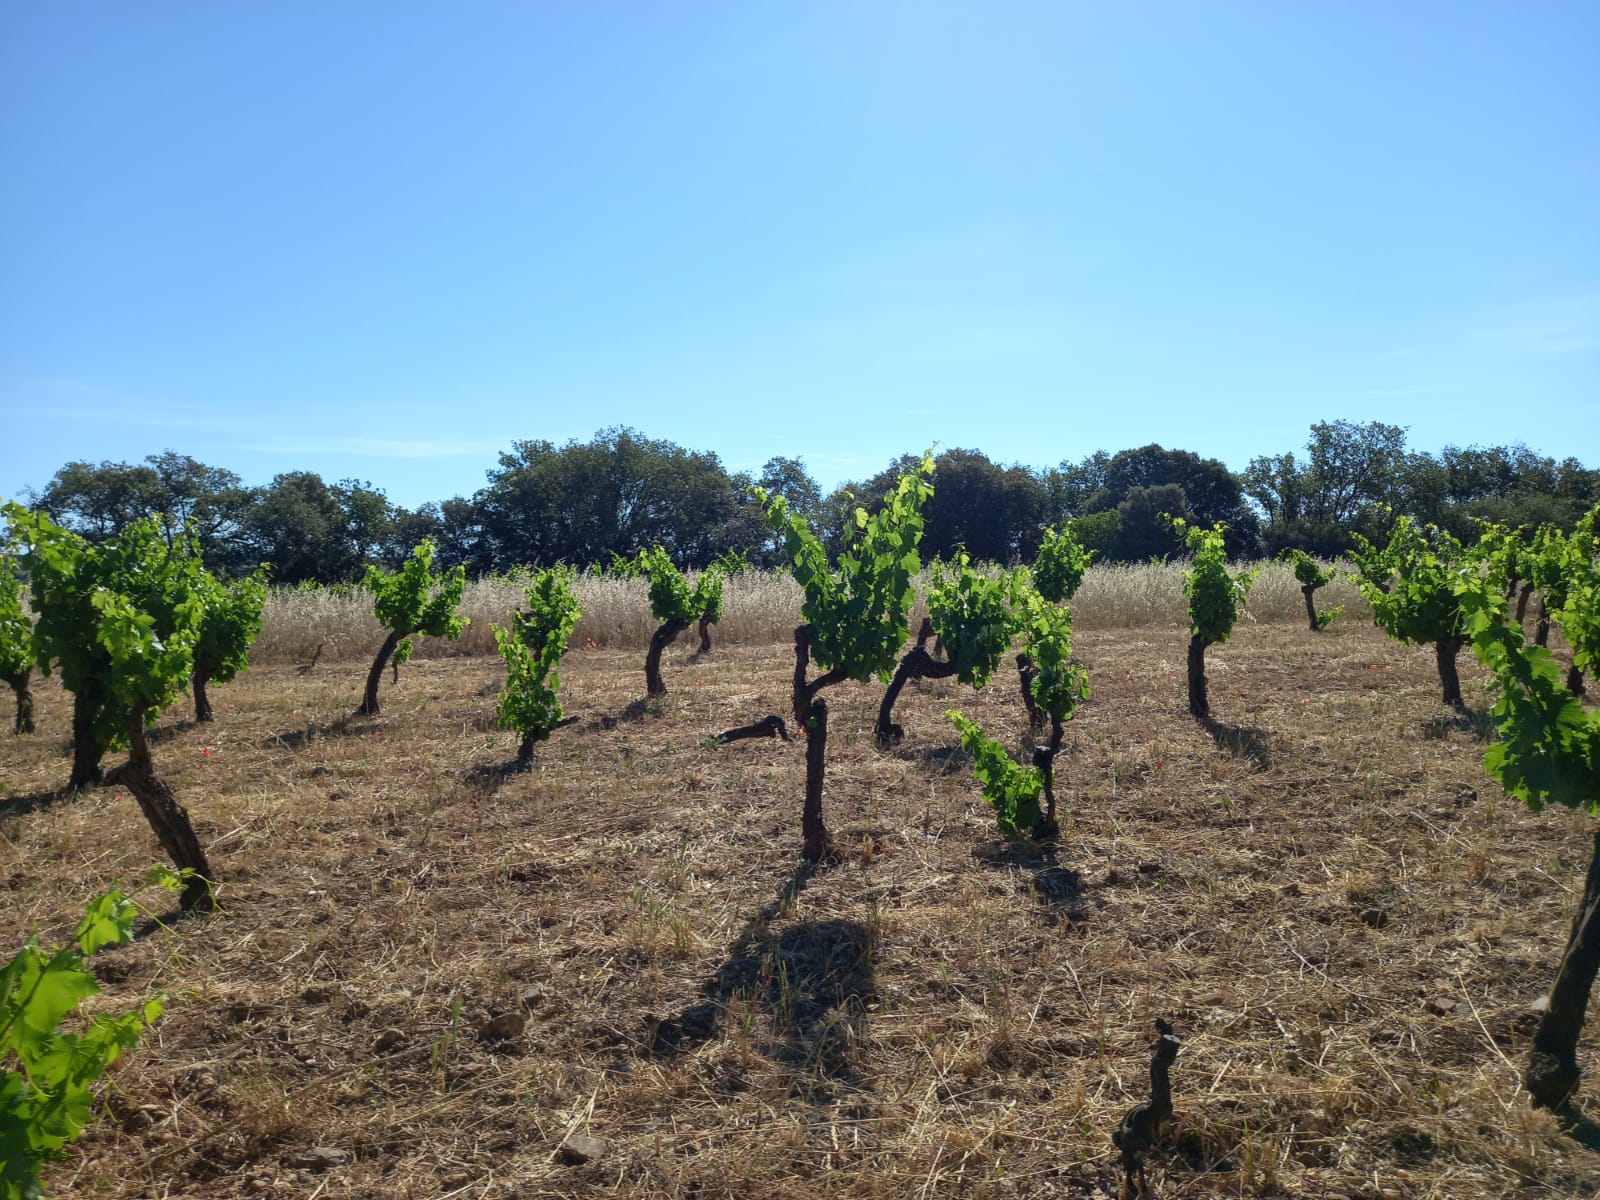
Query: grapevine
(855, 620)
(410, 601)
(1215, 595)
(46, 1075)
(1548, 752)
(532, 649)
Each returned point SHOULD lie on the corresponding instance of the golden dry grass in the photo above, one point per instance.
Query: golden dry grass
(760, 608)
(940, 1014)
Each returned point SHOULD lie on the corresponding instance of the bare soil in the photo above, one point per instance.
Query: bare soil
(431, 974)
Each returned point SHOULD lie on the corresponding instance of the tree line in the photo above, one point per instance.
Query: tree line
(620, 492)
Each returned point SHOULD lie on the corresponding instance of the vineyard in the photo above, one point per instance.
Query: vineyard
(433, 975)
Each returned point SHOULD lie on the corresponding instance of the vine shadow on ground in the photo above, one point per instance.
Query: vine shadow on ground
(17, 806)
(1579, 1126)
(346, 726)
(1062, 888)
(1476, 721)
(810, 981)
(1241, 741)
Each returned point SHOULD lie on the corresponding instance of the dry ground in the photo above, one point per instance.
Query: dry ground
(1344, 917)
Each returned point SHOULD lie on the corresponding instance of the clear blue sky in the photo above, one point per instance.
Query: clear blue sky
(382, 240)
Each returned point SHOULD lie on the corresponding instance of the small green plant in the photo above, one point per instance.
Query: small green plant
(1411, 585)
(1013, 791)
(1057, 684)
(415, 599)
(1312, 575)
(971, 615)
(16, 642)
(1579, 614)
(855, 618)
(1215, 595)
(532, 649)
(47, 1074)
(1548, 752)
(228, 629)
(1061, 564)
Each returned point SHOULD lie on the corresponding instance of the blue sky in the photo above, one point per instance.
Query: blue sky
(384, 240)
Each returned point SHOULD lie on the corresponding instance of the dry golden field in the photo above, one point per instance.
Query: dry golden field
(1344, 917)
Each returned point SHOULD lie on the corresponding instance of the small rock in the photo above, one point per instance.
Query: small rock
(1374, 917)
(1440, 1006)
(321, 1158)
(579, 1149)
(389, 1041)
(503, 1028)
(316, 995)
(1289, 889)
(531, 996)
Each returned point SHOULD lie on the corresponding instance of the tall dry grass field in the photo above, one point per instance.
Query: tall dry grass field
(760, 608)
(1345, 919)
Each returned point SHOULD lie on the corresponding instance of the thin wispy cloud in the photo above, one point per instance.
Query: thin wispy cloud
(1564, 324)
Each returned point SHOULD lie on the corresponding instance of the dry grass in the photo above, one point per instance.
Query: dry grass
(941, 1014)
(760, 608)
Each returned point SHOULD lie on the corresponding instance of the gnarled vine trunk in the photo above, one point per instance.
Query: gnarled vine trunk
(369, 702)
(664, 636)
(1027, 672)
(1198, 705)
(917, 664)
(811, 714)
(1575, 681)
(1445, 651)
(705, 634)
(1044, 758)
(1306, 590)
(202, 702)
(1553, 1070)
(88, 745)
(167, 817)
(19, 685)
(1541, 630)
(1522, 600)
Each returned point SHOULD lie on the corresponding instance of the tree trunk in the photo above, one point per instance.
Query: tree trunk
(1444, 652)
(664, 636)
(1541, 631)
(1553, 1070)
(1197, 677)
(1575, 680)
(87, 746)
(705, 634)
(917, 664)
(167, 817)
(1311, 605)
(1027, 672)
(369, 704)
(924, 632)
(1044, 757)
(19, 685)
(525, 752)
(202, 702)
(1522, 600)
(811, 714)
(815, 834)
